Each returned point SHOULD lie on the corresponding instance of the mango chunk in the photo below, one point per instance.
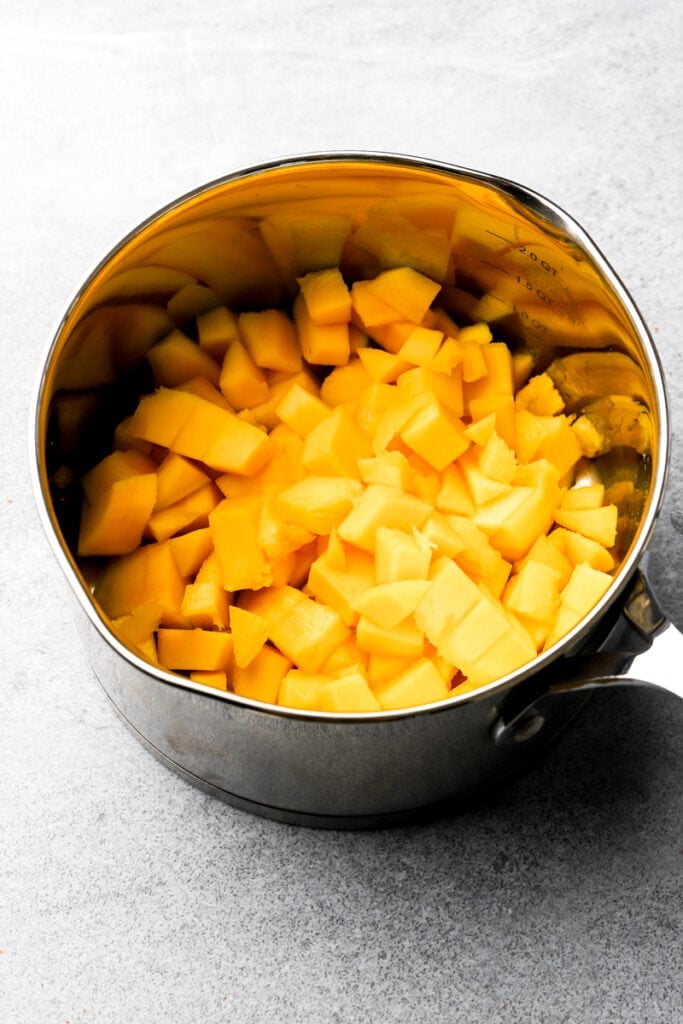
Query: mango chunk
(147, 574)
(234, 528)
(598, 524)
(217, 680)
(335, 445)
(404, 640)
(327, 297)
(338, 576)
(318, 503)
(249, 634)
(190, 513)
(387, 604)
(176, 478)
(262, 677)
(205, 605)
(377, 506)
(582, 592)
(419, 684)
(195, 649)
(114, 524)
(436, 434)
(347, 693)
(406, 290)
(301, 410)
(176, 359)
(242, 382)
(216, 330)
(270, 339)
(301, 689)
(114, 467)
(400, 555)
(321, 344)
(191, 549)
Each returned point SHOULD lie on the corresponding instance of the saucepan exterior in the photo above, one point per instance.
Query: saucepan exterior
(533, 274)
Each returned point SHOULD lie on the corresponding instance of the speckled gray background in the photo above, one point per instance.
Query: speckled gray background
(128, 896)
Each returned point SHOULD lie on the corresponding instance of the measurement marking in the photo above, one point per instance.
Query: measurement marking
(496, 266)
(495, 234)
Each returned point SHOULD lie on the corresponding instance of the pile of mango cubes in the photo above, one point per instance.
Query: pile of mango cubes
(352, 506)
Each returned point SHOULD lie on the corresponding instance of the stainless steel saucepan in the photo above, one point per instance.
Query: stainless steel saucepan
(522, 265)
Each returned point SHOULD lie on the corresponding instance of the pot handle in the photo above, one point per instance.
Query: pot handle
(642, 649)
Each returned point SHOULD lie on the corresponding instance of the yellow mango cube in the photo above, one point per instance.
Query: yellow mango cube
(216, 330)
(234, 528)
(241, 381)
(176, 478)
(176, 359)
(400, 555)
(321, 344)
(114, 467)
(249, 634)
(195, 649)
(377, 506)
(417, 685)
(205, 605)
(598, 524)
(347, 693)
(114, 524)
(387, 604)
(190, 513)
(318, 503)
(190, 550)
(271, 340)
(301, 410)
(406, 290)
(404, 640)
(338, 576)
(436, 434)
(262, 677)
(334, 447)
(327, 297)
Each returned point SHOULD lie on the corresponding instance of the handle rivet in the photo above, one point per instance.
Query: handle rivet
(529, 727)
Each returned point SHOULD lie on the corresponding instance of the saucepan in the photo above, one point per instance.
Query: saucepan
(507, 257)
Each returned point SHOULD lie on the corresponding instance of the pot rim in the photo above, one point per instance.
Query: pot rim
(530, 198)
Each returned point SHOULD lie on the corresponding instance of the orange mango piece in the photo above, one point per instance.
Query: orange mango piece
(242, 382)
(216, 330)
(347, 693)
(206, 605)
(117, 466)
(191, 549)
(195, 649)
(176, 359)
(406, 290)
(271, 340)
(234, 528)
(177, 477)
(321, 344)
(335, 445)
(190, 513)
(419, 684)
(147, 574)
(249, 633)
(327, 297)
(114, 524)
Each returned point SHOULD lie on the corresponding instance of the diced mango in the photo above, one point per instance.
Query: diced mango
(242, 382)
(195, 649)
(114, 467)
(262, 677)
(327, 298)
(598, 524)
(347, 693)
(234, 528)
(176, 478)
(205, 605)
(249, 634)
(271, 340)
(335, 445)
(387, 604)
(400, 555)
(321, 344)
(114, 524)
(419, 684)
(406, 290)
(377, 506)
(318, 503)
(216, 330)
(190, 513)
(176, 359)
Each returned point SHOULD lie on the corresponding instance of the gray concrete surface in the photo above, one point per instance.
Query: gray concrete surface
(125, 894)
